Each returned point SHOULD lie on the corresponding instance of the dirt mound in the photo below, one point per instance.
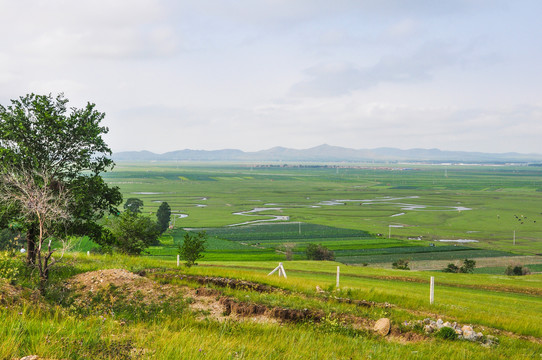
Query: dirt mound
(217, 281)
(8, 293)
(133, 287)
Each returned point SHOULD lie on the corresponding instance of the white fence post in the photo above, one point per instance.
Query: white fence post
(432, 291)
(280, 268)
(338, 272)
(178, 260)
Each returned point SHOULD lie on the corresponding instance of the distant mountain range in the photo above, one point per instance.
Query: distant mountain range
(328, 153)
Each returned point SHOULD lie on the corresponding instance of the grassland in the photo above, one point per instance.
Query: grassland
(346, 208)
(53, 327)
(174, 312)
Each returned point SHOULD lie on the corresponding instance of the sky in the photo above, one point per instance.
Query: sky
(254, 74)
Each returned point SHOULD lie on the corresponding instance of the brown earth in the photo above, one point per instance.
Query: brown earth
(210, 303)
(133, 287)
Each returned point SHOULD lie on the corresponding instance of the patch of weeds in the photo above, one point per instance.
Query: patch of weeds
(114, 301)
(100, 349)
(333, 325)
(446, 333)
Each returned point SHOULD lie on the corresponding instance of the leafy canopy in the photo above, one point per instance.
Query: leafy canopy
(132, 233)
(192, 247)
(134, 205)
(163, 216)
(40, 133)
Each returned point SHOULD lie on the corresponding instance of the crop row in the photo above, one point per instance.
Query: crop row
(440, 255)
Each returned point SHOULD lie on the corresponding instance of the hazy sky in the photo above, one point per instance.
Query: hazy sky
(450, 74)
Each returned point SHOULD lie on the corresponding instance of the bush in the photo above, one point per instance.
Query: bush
(517, 270)
(192, 247)
(319, 252)
(451, 268)
(467, 267)
(9, 266)
(446, 333)
(400, 264)
(11, 239)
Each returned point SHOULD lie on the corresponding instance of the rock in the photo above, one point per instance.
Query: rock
(490, 341)
(440, 323)
(30, 357)
(319, 289)
(383, 326)
(447, 324)
(468, 333)
(428, 329)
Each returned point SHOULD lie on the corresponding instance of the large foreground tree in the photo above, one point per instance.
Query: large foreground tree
(39, 134)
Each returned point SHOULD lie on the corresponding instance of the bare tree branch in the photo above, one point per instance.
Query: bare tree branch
(39, 198)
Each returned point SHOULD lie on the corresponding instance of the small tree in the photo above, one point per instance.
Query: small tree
(134, 205)
(400, 264)
(319, 252)
(289, 250)
(132, 233)
(192, 247)
(40, 201)
(468, 266)
(163, 216)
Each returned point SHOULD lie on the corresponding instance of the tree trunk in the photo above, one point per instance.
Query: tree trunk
(31, 236)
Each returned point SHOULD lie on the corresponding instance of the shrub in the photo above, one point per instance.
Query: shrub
(400, 264)
(517, 270)
(9, 266)
(467, 267)
(446, 333)
(319, 252)
(451, 268)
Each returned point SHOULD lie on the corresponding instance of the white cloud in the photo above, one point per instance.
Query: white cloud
(256, 74)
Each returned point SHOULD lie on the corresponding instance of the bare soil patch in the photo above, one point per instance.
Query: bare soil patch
(132, 286)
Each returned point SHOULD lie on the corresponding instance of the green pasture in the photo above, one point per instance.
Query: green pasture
(419, 201)
(509, 308)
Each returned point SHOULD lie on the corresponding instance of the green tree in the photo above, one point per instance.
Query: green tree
(192, 247)
(39, 134)
(133, 233)
(163, 216)
(468, 266)
(134, 205)
(319, 252)
(400, 264)
(517, 270)
(451, 268)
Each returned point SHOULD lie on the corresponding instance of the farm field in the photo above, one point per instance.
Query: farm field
(366, 214)
(234, 310)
